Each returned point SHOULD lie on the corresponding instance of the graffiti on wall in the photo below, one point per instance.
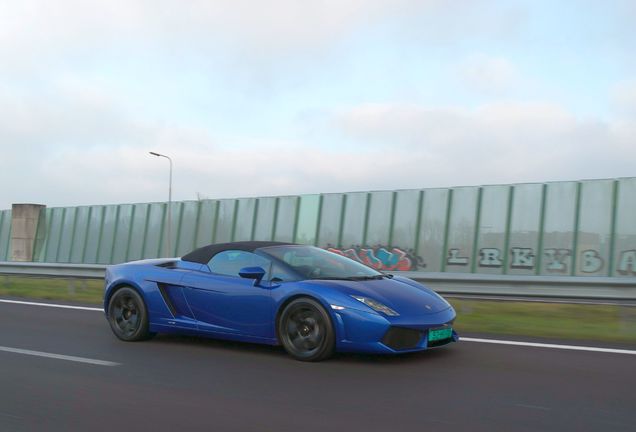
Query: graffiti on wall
(382, 257)
(556, 260)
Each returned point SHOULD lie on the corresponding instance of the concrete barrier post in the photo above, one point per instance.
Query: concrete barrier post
(24, 225)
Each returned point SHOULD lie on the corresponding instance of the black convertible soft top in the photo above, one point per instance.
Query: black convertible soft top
(204, 254)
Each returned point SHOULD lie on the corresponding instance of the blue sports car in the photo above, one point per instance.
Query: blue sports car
(309, 300)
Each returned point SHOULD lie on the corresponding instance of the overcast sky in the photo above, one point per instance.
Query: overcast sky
(276, 97)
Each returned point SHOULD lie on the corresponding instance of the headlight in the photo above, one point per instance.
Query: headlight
(376, 306)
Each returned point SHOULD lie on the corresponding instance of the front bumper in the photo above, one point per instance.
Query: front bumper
(368, 332)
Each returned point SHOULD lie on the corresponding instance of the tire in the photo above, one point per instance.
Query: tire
(128, 315)
(305, 330)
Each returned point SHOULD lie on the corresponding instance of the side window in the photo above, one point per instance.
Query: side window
(229, 263)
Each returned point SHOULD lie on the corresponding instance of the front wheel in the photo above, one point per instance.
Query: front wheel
(305, 330)
(128, 316)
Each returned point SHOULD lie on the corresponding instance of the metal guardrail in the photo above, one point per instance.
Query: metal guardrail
(568, 287)
(79, 271)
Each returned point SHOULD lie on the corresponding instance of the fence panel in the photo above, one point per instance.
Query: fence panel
(286, 219)
(594, 225)
(624, 251)
(67, 230)
(5, 235)
(91, 248)
(108, 231)
(207, 223)
(225, 221)
(187, 228)
(431, 246)
(264, 228)
(54, 233)
(525, 224)
(354, 220)
(380, 214)
(245, 219)
(461, 230)
(153, 246)
(80, 228)
(404, 230)
(330, 219)
(141, 213)
(490, 250)
(308, 214)
(121, 233)
(559, 228)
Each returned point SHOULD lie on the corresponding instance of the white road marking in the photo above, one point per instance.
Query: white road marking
(52, 305)
(58, 356)
(465, 339)
(10, 416)
(552, 346)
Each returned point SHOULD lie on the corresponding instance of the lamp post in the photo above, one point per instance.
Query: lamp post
(169, 248)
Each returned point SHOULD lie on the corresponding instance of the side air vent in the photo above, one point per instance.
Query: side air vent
(163, 289)
(175, 300)
(168, 264)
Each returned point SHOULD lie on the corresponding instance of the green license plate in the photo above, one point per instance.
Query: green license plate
(439, 334)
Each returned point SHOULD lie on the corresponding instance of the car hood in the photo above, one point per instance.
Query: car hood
(406, 297)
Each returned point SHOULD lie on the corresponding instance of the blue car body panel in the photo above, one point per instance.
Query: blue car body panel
(185, 297)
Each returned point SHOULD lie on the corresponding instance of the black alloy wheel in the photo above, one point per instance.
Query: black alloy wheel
(305, 330)
(128, 316)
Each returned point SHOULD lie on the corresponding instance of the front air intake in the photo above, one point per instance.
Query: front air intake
(399, 338)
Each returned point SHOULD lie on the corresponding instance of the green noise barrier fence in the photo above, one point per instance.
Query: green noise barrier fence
(578, 228)
(5, 234)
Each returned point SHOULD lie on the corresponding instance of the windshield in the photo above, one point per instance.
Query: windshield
(315, 263)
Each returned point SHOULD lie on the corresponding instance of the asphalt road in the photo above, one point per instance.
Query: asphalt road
(192, 384)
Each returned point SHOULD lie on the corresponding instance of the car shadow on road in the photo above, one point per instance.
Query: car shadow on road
(218, 344)
(403, 358)
(277, 351)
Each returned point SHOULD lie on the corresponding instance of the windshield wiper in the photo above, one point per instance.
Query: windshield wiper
(356, 278)
(336, 278)
(375, 277)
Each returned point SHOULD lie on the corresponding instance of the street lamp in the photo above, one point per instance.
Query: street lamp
(169, 248)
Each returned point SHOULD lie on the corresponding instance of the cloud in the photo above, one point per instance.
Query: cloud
(65, 113)
(494, 143)
(489, 75)
(253, 47)
(255, 27)
(623, 95)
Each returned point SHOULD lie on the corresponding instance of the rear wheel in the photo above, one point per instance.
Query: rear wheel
(128, 316)
(305, 330)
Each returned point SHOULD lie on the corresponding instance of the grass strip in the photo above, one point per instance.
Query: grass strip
(607, 323)
(76, 290)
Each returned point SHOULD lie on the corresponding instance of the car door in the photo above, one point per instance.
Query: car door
(223, 302)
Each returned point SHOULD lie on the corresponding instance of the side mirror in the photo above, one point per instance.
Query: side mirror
(256, 273)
